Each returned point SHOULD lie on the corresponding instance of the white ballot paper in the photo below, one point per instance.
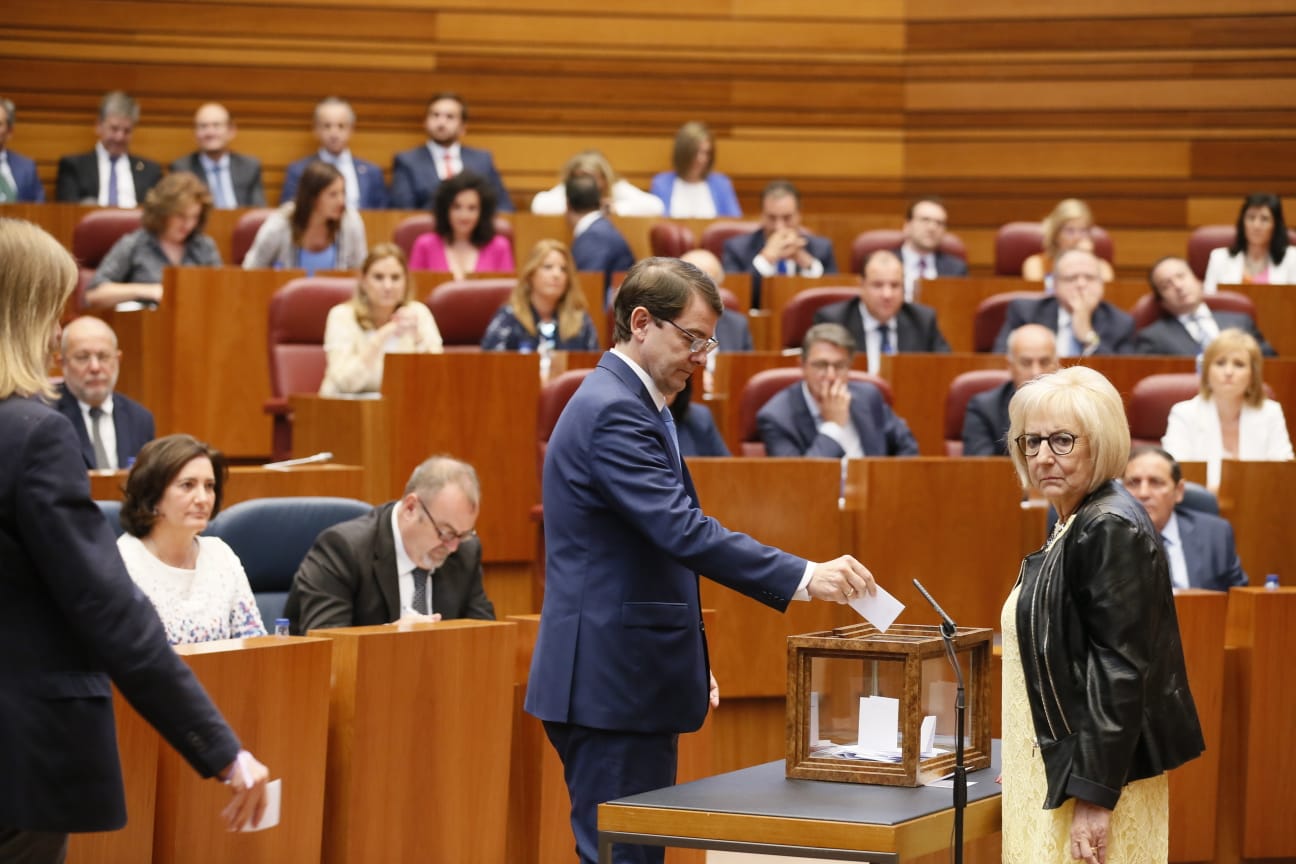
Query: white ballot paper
(879, 610)
(270, 818)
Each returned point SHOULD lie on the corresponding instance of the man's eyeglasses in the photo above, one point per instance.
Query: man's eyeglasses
(1061, 443)
(447, 535)
(706, 344)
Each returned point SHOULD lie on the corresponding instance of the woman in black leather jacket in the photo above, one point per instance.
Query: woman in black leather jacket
(1096, 700)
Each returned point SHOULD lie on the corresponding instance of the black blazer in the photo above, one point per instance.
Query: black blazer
(946, 264)
(1115, 328)
(1168, 335)
(132, 422)
(71, 619)
(348, 578)
(741, 251)
(245, 176)
(78, 177)
(985, 424)
(916, 327)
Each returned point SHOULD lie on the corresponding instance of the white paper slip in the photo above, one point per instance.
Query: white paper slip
(879, 719)
(879, 610)
(270, 818)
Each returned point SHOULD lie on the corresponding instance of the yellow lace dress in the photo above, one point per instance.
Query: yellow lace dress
(1139, 832)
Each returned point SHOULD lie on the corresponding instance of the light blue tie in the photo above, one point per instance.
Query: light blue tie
(217, 183)
(674, 436)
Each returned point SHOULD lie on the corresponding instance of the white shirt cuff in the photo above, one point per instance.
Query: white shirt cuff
(802, 593)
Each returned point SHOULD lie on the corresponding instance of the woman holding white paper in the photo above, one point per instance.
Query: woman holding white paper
(1096, 705)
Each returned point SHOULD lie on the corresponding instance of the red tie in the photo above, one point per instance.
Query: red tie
(449, 166)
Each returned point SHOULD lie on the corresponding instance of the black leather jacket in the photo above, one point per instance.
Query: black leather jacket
(1100, 649)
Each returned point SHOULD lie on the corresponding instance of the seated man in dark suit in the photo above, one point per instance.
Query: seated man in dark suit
(1032, 351)
(827, 414)
(417, 557)
(779, 247)
(1187, 324)
(1199, 547)
(924, 229)
(597, 246)
(234, 179)
(111, 427)
(109, 175)
(18, 178)
(334, 122)
(1084, 322)
(417, 172)
(880, 319)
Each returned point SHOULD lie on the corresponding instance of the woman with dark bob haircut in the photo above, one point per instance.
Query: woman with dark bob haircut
(196, 583)
(1261, 252)
(463, 238)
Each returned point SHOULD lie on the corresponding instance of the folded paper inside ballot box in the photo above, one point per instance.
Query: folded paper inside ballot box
(846, 685)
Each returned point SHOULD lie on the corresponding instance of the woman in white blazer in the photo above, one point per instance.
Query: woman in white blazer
(1261, 251)
(1230, 418)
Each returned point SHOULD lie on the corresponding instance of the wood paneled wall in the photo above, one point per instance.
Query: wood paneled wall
(1161, 113)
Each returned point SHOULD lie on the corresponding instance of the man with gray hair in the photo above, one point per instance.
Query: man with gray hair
(18, 179)
(826, 414)
(109, 175)
(334, 122)
(417, 557)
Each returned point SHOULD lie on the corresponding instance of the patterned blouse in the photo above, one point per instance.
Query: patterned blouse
(506, 333)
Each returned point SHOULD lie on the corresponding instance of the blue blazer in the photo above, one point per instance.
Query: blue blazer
(602, 249)
(415, 179)
(1209, 551)
(740, 251)
(132, 422)
(788, 428)
(698, 435)
(25, 177)
(373, 191)
(985, 424)
(721, 188)
(733, 332)
(621, 645)
(71, 618)
(1115, 328)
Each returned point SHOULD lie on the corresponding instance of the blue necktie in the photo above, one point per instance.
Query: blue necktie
(885, 346)
(674, 437)
(217, 183)
(112, 181)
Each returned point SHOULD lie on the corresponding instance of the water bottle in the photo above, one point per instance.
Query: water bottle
(281, 627)
(1271, 582)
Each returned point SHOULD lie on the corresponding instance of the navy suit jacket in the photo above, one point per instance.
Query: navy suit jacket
(71, 618)
(1115, 328)
(245, 176)
(1168, 335)
(698, 435)
(985, 425)
(78, 177)
(602, 249)
(741, 251)
(348, 578)
(788, 428)
(132, 422)
(916, 327)
(415, 178)
(621, 645)
(732, 331)
(373, 191)
(946, 264)
(26, 180)
(1209, 551)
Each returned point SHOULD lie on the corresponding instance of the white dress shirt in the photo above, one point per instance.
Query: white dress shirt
(1174, 553)
(346, 167)
(873, 339)
(439, 159)
(405, 567)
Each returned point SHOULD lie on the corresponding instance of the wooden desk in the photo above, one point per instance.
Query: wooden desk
(1258, 499)
(248, 482)
(1275, 315)
(759, 810)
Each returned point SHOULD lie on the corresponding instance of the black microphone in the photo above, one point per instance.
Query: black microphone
(949, 628)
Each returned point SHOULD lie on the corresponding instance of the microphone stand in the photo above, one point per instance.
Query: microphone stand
(948, 629)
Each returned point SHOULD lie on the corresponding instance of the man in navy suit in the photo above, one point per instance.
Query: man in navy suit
(828, 415)
(881, 319)
(111, 427)
(924, 229)
(335, 120)
(1032, 351)
(597, 245)
(234, 179)
(779, 247)
(1198, 546)
(1187, 324)
(1084, 322)
(620, 664)
(417, 172)
(18, 180)
(109, 175)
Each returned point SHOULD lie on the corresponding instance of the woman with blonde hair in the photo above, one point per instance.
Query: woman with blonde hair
(1230, 418)
(547, 308)
(694, 190)
(382, 318)
(1069, 226)
(621, 197)
(71, 619)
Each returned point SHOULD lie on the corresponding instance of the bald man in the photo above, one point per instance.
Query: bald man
(234, 179)
(732, 331)
(112, 428)
(1032, 351)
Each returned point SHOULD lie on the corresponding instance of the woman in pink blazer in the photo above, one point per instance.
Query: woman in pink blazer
(463, 239)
